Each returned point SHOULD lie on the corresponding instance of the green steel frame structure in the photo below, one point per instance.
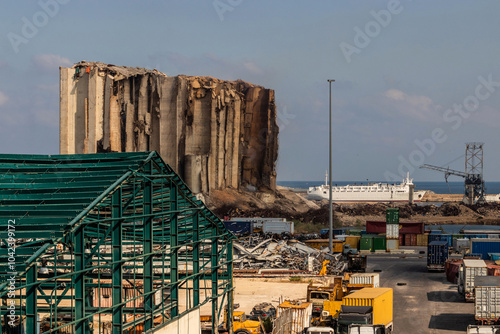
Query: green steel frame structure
(106, 243)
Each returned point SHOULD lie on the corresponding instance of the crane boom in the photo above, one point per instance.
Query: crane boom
(447, 171)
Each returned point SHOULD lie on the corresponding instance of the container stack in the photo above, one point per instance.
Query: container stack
(392, 229)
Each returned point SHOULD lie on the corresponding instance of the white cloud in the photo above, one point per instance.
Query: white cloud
(50, 62)
(415, 106)
(3, 98)
(253, 68)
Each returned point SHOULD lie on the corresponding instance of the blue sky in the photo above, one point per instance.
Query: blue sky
(415, 80)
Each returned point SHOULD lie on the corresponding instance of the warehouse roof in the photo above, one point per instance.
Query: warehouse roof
(45, 197)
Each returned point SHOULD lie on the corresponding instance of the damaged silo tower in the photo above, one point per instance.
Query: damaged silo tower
(214, 133)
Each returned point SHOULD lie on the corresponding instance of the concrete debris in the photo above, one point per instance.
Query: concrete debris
(258, 252)
(216, 134)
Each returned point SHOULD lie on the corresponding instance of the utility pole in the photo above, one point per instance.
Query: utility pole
(330, 216)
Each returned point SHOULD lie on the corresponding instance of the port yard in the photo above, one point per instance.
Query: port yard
(424, 302)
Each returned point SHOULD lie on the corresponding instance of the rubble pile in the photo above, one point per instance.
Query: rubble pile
(258, 252)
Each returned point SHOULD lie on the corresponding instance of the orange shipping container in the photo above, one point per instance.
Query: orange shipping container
(493, 270)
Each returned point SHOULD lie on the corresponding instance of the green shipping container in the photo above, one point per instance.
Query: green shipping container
(366, 243)
(354, 232)
(392, 216)
(379, 243)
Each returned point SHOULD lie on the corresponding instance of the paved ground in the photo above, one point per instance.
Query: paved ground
(427, 303)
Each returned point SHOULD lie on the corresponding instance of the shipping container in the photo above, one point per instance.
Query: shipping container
(379, 243)
(475, 329)
(487, 310)
(407, 239)
(392, 231)
(461, 245)
(411, 227)
(366, 243)
(341, 237)
(277, 227)
(392, 244)
(337, 245)
(353, 241)
(376, 227)
(458, 236)
(354, 232)
(434, 237)
(371, 280)
(451, 268)
(239, 227)
(392, 216)
(335, 231)
(339, 231)
(469, 270)
(378, 298)
(422, 239)
(493, 270)
(296, 317)
(485, 246)
(437, 254)
(436, 232)
(493, 236)
(494, 256)
(401, 239)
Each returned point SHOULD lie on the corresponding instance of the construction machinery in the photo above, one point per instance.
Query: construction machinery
(474, 183)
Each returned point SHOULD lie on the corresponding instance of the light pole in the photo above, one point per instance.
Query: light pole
(330, 216)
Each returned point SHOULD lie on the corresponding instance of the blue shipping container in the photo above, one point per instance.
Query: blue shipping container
(437, 254)
(237, 227)
(485, 246)
(434, 237)
(448, 238)
(494, 256)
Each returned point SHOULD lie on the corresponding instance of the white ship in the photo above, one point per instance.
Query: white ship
(370, 192)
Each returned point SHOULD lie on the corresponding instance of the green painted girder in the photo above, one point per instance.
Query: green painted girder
(58, 185)
(58, 177)
(55, 189)
(54, 196)
(71, 207)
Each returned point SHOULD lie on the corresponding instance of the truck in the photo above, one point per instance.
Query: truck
(437, 254)
(371, 307)
(487, 301)
(317, 294)
(466, 274)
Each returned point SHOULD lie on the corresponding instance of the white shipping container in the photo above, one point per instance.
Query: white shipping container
(487, 304)
(392, 230)
(277, 227)
(392, 244)
(293, 318)
(372, 279)
(473, 268)
(460, 244)
(474, 329)
(341, 237)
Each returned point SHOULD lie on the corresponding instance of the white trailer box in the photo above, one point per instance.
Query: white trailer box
(487, 303)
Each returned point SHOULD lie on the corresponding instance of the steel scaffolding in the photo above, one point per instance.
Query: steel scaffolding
(106, 243)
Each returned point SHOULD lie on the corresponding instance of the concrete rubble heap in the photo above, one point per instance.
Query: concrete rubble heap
(255, 252)
(216, 134)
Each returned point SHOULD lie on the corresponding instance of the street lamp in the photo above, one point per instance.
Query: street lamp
(330, 216)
